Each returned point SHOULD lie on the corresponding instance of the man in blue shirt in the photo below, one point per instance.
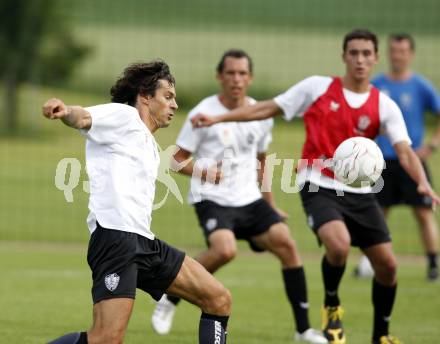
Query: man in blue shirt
(415, 95)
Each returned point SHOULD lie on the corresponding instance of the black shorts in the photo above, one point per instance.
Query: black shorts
(246, 221)
(360, 212)
(399, 188)
(123, 261)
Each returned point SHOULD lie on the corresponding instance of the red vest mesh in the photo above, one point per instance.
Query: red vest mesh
(331, 120)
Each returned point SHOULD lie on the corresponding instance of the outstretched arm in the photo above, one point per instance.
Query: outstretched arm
(73, 116)
(411, 164)
(259, 111)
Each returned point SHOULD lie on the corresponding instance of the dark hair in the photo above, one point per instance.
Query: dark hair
(403, 36)
(140, 78)
(361, 34)
(236, 53)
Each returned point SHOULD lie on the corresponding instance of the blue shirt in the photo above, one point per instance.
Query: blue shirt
(414, 97)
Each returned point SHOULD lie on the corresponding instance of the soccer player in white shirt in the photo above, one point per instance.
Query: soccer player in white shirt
(122, 160)
(333, 110)
(230, 206)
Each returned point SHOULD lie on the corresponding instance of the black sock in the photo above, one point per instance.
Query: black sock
(296, 290)
(212, 329)
(383, 300)
(71, 338)
(331, 275)
(173, 299)
(432, 260)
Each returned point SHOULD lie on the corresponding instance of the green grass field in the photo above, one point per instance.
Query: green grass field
(45, 292)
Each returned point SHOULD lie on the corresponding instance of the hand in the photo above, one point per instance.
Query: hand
(425, 189)
(200, 120)
(424, 152)
(284, 216)
(55, 109)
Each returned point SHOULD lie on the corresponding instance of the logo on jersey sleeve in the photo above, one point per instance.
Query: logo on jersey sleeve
(111, 281)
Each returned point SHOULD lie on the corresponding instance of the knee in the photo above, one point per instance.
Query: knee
(387, 272)
(219, 302)
(225, 254)
(287, 244)
(337, 254)
(287, 252)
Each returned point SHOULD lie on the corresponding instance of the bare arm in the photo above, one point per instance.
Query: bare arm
(73, 116)
(266, 186)
(411, 164)
(183, 163)
(259, 111)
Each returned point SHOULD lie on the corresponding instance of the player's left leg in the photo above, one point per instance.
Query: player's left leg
(196, 285)
(384, 264)
(429, 232)
(279, 241)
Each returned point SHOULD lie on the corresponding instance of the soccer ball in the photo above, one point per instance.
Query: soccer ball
(364, 268)
(358, 162)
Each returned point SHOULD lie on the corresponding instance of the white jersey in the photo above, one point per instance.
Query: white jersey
(296, 100)
(122, 159)
(233, 144)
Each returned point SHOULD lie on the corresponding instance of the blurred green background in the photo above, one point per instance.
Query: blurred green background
(287, 39)
(74, 50)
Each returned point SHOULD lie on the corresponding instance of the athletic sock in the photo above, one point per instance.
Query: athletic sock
(332, 276)
(296, 290)
(173, 299)
(383, 300)
(432, 260)
(212, 329)
(71, 338)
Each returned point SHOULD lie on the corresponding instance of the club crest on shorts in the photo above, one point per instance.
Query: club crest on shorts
(211, 224)
(111, 281)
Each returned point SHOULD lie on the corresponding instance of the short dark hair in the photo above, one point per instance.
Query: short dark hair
(361, 34)
(235, 53)
(140, 78)
(403, 36)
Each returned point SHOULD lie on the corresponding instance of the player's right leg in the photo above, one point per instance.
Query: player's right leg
(336, 239)
(322, 207)
(196, 285)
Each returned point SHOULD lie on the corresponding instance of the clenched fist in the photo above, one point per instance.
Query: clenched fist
(55, 109)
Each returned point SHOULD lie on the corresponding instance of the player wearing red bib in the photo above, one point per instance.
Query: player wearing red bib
(341, 216)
